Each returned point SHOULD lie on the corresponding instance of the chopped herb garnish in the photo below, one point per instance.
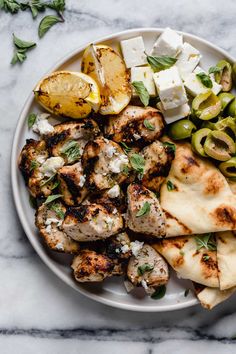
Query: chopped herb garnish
(171, 146)
(144, 210)
(159, 293)
(138, 163)
(142, 92)
(31, 119)
(46, 181)
(46, 23)
(170, 185)
(205, 257)
(21, 48)
(55, 185)
(125, 170)
(205, 79)
(148, 125)
(58, 210)
(35, 6)
(11, 6)
(206, 241)
(144, 268)
(214, 69)
(33, 165)
(186, 292)
(71, 150)
(51, 198)
(161, 62)
(125, 147)
(181, 253)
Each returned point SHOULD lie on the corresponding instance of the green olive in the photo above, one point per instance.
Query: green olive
(232, 108)
(208, 125)
(181, 129)
(228, 125)
(225, 99)
(228, 168)
(224, 76)
(219, 145)
(206, 105)
(198, 140)
(234, 73)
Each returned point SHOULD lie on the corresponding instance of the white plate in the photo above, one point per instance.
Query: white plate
(111, 291)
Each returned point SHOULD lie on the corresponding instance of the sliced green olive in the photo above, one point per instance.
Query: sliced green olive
(232, 108)
(219, 145)
(234, 73)
(224, 76)
(206, 105)
(198, 139)
(228, 168)
(228, 125)
(181, 129)
(209, 125)
(225, 99)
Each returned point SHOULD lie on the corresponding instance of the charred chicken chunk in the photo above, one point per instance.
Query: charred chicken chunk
(68, 139)
(92, 222)
(144, 211)
(118, 246)
(135, 123)
(104, 164)
(148, 269)
(49, 219)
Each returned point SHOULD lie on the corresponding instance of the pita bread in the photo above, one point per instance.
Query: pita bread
(210, 297)
(226, 258)
(182, 255)
(202, 200)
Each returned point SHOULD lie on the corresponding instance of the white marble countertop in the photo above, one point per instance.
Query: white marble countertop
(38, 313)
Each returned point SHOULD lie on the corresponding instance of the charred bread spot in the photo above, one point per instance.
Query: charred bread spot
(178, 261)
(209, 265)
(214, 184)
(225, 216)
(185, 229)
(190, 162)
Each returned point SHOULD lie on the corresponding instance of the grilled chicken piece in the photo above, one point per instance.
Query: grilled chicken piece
(92, 222)
(72, 183)
(104, 162)
(158, 158)
(90, 266)
(49, 219)
(148, 269)
(144, 202)
(135, 123)
(69, 139)
(118, 247)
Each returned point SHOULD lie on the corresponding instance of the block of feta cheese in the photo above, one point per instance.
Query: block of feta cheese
(188, 59)
(144, 74)
(171, 115)
(195, 87)
(133, 52)
(168, 43)
(170, 88)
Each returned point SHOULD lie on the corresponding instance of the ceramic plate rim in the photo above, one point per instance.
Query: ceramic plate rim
(14, 175)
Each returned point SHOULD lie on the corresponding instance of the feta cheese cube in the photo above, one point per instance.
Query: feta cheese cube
(188, 59)
(133, 52)
(144, 74)
(168, 43)
(170, 88)
(194, 85)
(171, 115)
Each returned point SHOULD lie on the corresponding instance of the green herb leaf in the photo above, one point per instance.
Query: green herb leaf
(31, 119)
(11, 6)
(71, 150)
(33, 202)
(58, 5)
(144, 268)
(205, 257)
(126, 148)
(46, 23)
(171, 146)
(35, 6)
(33, 165)
(125, 170)
(186, 292)
(160, 63)
(159, 293)
(57, 208)
(214, 69)
(51, 198)
(20, 44)
(144, 210)
(205, 241)
(138, 163)
(46, 181)
(170, 186)
(205, 79)
(141, 90)
(55, 185)
(148, 125)
(181, 253)
(19, 56)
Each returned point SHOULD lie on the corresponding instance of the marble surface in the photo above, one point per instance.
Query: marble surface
(38, 313)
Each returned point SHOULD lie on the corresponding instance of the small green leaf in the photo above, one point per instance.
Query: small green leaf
(20, 44)
(58, 5)
(19, 56)
(46, 23)
(125, 170)
(126, 148)
(144, 268)
(138, 163)
(159, 293)
(33, 165)
(144, 210)
(11, 6)
(205, 79)
(205, 241)
(31, 119)
(205, 257)
(181, 253)
(186, 292)
(142, 92)
(171, 146)
(58, 210)
(46, 181)
(71, 150)
(55, 185)
(148, 125)
(214, 69)
(161, 62)
(51, 198)
(170, 185)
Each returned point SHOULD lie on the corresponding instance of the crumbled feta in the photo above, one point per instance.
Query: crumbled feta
(171, 115)
(41, 159)
(114, 192)
(144, 74)
(133, 51)
(170, 88)
(144, 284)
(109, 222)
(136, 136)
(117, 164)
(82, 180)
(111, 150)
(59, 246)
(168, 43)
(195, 87)
(136, 247)
(188, 59)
(115, 211)
(41, 125)
(125, 248)
(51, 221)
(51, 165)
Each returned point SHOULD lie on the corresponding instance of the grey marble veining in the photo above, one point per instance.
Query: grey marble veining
(38, 313)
